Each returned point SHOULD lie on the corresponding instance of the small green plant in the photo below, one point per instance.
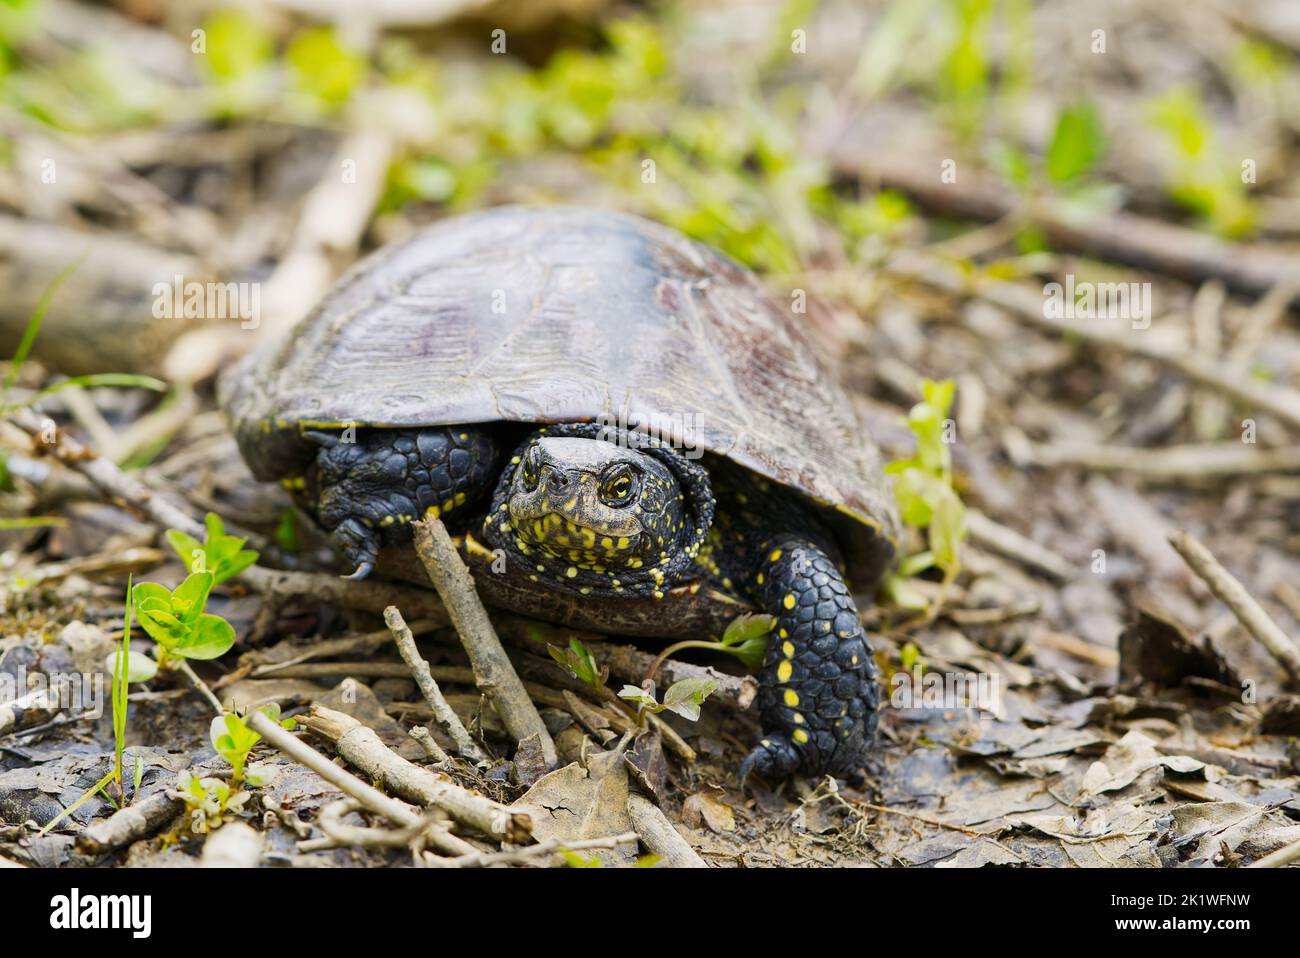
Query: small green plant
(925, 495)
(745, 637)
(684, 697)
(220, 554)
(1078, 143)
(175, 620)
(580, 663)
(209, 802)
(119, 666)
(1203, 178)
(234, 741)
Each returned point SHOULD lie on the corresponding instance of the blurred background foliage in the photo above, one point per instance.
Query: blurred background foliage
(730, 141)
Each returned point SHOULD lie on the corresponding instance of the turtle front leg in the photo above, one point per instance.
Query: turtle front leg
(818, 694)
(370, 490)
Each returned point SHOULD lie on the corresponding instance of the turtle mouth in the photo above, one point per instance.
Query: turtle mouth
(562, 534)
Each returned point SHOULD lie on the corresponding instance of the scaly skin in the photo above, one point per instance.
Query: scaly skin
(818, 695)
(367, 491)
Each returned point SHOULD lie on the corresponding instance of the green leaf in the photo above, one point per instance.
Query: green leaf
(163, 627)
(1078, 143)
(214, 526)
(190, 597)
(236, 564)
(286, 533)
(686, 697)
(323, 67)
(748, 626)
(916, 564)
(186, 546)
(947, 530)
(579, 662)
(643, 697)
(209, 638)
(237, 45)
(223, 556)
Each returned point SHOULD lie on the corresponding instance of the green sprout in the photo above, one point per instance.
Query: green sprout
(222, 555)
(209, 802)
(234, 741)
(580, 663)
(745, 638)
(1203, 178)
(684, 697)
(175, 620)
(119, 665)
(925, 495)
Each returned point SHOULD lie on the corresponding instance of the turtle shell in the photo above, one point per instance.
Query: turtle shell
(563, 314)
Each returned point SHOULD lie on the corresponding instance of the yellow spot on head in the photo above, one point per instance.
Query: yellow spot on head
(787, 649)
(776, 554)
(784, 671)
(433, 511)
(571, 572)
(788, 601)
(800, 736)
(791, 698)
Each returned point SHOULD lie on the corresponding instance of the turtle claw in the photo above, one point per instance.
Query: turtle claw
(772, 759)
(362, 571)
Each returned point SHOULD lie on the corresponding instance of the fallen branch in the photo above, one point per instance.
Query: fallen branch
(129, 824)
(1233, 594)
(370, 797)
(659, 836)
(431, 748)
(443, 714)
(494, 674)
(338, 834)
(362, 748)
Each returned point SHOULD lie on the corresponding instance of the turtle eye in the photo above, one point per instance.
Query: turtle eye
(531, 468)
(617, 487)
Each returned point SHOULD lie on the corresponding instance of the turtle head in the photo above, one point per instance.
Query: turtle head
(596, 505)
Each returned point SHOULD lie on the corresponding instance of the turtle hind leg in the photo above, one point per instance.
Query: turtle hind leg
(369, 491)
(818, 695)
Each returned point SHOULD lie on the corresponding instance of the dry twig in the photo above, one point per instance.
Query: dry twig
(447, 719)
(1233, 594)
(658, 834)
(493, 673)
(362, 748)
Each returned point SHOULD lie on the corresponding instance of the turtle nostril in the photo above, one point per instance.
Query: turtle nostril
(559, 480)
